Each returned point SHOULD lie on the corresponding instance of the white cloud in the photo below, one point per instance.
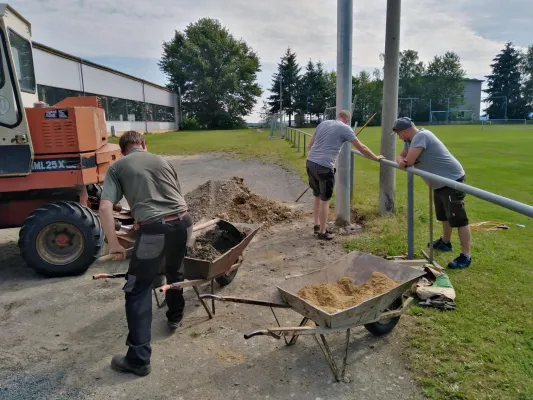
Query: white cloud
(134, 28)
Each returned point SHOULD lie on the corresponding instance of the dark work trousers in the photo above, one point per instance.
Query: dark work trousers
(156, 243)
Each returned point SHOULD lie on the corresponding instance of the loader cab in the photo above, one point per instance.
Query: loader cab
(18, 88)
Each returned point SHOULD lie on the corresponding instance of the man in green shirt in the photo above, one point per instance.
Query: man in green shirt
(152, 189)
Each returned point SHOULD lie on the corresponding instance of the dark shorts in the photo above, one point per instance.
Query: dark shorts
(321, 180)
(450, 206)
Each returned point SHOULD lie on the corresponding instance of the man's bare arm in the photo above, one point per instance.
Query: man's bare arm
(365, 150)
(402, 155)
(108, 224)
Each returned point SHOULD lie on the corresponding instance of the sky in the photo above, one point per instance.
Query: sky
(128, 34)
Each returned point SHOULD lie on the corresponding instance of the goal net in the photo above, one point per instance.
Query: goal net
(276, 126)
(506, 124)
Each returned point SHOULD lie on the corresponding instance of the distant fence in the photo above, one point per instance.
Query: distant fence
(299, 139)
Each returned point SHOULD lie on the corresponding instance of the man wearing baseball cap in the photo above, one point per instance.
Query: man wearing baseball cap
(423, 150)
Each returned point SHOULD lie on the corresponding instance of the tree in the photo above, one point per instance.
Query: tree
(411, 87)
(307, 90)
(216, 73)
(289, 73)
(443, 81)
(265, 114)
(527, 74)
(504, 91)
(368, 89)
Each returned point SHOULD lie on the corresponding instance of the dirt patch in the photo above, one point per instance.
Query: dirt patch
(213, 243)
(230, 356)
(232, 200)
(345, 294)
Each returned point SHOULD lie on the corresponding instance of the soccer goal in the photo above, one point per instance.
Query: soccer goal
(276, 127)
(506, 124)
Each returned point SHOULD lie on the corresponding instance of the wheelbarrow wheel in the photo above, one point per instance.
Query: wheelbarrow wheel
(226, 279)
(380, 328)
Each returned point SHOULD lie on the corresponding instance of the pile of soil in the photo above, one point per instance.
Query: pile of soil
(233, 201)
(345, 294)
(213, 243)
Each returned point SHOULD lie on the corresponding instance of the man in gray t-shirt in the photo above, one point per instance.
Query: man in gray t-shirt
(324, 148)
(424, 151)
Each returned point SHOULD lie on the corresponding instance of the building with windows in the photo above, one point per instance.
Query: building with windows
(129, 103)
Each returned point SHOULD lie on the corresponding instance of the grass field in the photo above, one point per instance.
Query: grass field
(484, 349)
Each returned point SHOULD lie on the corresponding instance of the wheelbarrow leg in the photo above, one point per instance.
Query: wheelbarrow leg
(329, 357)
(160, 304)
(203, 303)
(294, 338)
(213, 292)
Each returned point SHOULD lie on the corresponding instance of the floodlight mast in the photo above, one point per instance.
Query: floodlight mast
(344, 98)
(387, 175)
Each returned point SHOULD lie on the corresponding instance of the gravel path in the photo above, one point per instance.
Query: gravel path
(58, 335)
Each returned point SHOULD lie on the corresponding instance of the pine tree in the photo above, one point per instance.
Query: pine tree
(504, 91)
(527, 74)
(289, 71)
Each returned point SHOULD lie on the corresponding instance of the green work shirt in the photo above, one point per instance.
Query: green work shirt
(149, 183)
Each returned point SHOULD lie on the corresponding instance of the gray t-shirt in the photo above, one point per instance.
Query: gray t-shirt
(329, 137)
(435, 158)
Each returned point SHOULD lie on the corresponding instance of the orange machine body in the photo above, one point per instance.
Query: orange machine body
(71, 151)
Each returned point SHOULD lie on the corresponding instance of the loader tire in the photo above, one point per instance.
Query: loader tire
(62, 238)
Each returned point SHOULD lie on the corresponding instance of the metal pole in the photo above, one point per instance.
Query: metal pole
(299, 141)
(305, 144)
(387, 176)
(430, 224)
(280, 106)
(352, 174)
(344, 100)
(410, 216)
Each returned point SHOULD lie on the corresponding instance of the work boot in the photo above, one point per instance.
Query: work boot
(326, 236)
(121, 364)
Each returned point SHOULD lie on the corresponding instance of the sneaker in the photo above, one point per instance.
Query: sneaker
(460, 262)
(121, 364)
(173, 325)
(326, 236)
(316, 229)
(441, 245)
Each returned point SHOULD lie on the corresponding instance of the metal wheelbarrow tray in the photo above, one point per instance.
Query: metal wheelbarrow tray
(379, 314)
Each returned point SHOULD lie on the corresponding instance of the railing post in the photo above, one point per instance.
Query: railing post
(352, 174)
(305, 144)
(410, 216)
(430, 224)
(299, 141)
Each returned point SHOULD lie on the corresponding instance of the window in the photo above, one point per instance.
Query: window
(164, 113)
(52, 95)
(23, 60)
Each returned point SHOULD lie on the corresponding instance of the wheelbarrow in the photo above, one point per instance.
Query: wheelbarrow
(198, 272)
(379, 314)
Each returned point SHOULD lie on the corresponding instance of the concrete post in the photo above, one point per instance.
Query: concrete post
(344, 100)
(387, 176)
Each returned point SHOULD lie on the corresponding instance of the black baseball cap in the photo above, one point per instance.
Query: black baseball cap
(401, 124)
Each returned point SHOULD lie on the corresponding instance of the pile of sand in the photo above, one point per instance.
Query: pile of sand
(345, 294)
(233, 201)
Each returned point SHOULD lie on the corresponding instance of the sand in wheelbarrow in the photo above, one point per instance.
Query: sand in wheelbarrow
(334, 297)
(213, 243)
(233, 201)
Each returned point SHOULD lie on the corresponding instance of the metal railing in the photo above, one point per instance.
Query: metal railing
(294, 136)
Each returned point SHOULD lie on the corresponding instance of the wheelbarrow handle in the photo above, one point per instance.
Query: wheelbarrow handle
(262, 332)
(106, 276)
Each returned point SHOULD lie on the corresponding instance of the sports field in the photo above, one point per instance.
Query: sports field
(484, 349)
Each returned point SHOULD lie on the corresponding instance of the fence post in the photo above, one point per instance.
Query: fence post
(299, 141)
(305, 144)
(352, 174)
(410, 216)
(430, 224)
